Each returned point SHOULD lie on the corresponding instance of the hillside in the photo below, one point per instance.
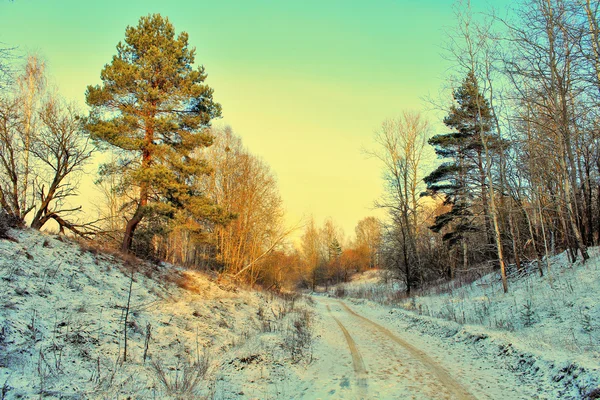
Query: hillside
(62, 318)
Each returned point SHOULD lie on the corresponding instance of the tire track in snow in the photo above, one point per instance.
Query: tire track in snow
(357, 360)
(444, 377)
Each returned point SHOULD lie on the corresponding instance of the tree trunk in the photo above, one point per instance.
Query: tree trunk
(139, 212)
(539, 204)
(144, 189)
(485, 203)
(597, 236)
(130, 229)
(580, 243)
(465, 255)
(513, 234)
(406, 264)
(533, 236)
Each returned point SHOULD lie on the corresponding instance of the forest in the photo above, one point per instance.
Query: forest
(516, 179)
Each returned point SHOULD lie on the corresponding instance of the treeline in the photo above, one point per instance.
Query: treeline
(519, 171)
(325, 258)
(173, 187)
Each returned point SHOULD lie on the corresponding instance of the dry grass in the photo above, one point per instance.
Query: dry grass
(6, 223)
(183, 380)
(298, 339)
(187, 281)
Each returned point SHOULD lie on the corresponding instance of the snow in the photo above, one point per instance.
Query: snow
(62, 308)
(546, 329)
(62, 318)
(559, 311)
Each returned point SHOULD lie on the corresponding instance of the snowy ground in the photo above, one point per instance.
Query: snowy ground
(546, 329)
(558, 311)
(401, 363)
(62, 319)
(62, 311)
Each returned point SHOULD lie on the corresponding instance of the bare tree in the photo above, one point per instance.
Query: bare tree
(251, 225)
(312, 256)
(6, 54)
(42, 151)
(10, 160)
(542, 68)
(400, 148)
(32, 85)
(111, 205)
(61, 151)
(243, 185)
(19, 113)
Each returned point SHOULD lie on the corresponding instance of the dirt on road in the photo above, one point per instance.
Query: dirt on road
(451, 388)
(386, 366)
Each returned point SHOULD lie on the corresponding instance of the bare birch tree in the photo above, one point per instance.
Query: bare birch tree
(19, 111)
(400, 148)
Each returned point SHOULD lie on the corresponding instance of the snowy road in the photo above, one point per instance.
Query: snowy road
(359, 358)
(367, 361)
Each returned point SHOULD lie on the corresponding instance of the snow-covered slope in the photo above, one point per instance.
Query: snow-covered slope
(560, 310)
(546, 328)
(375, 285)
(62, 319)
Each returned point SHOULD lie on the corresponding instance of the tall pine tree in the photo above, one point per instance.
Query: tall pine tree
(154, 109)
(463, 179)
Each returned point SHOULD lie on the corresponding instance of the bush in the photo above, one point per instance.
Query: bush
(299, 336)
(7, 222)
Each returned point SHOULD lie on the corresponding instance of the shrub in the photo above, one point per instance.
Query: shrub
(299, 336)
(7, 222)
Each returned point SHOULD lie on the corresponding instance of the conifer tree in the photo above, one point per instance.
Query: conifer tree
(334, 250)
(463, 178)
(154, 109)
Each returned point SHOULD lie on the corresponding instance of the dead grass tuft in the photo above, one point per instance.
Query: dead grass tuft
(187, 281)
(182, 380)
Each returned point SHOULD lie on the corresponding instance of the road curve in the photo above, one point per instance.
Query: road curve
(456, 390)
(358, 358)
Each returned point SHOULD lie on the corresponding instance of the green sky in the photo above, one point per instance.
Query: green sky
(305, 83)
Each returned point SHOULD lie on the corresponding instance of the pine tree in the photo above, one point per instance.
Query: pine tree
(154, 109)
(334, 250)
(463, 178)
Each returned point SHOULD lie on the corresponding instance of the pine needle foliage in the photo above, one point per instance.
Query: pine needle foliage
(154, 110)
(461, 178)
